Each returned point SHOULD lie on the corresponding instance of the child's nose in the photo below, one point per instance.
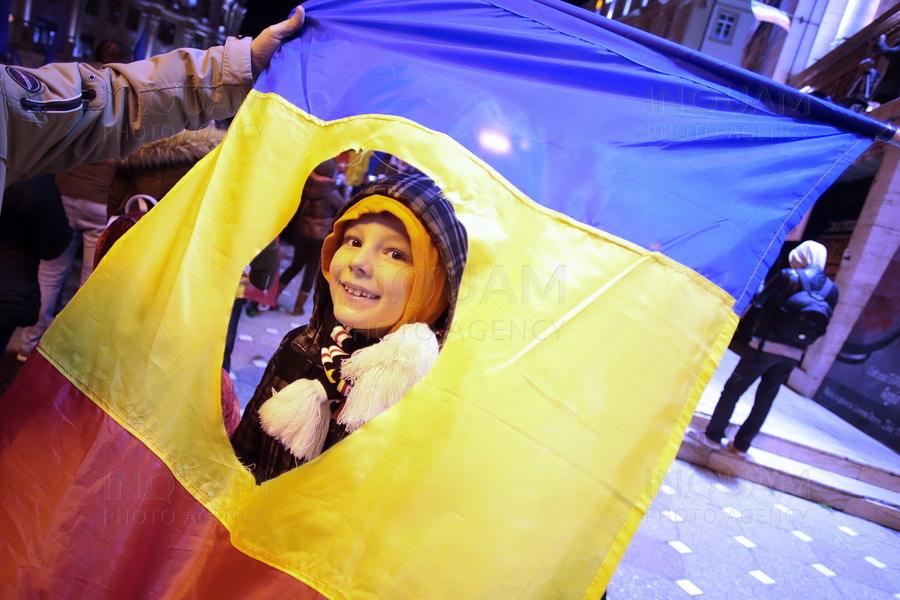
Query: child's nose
(362, 260)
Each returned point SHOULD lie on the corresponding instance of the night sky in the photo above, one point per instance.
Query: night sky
(262, 13)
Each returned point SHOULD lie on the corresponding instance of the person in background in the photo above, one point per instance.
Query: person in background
(320, 201)
(861, 91)
(888, 87)
(32, 228)
(108, 112)
(155, 168)
(792, 310)
(261, 274)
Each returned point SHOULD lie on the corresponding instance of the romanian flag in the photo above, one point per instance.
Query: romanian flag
(623, 198)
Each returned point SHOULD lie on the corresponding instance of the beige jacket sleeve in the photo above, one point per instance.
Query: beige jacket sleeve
(65, 114)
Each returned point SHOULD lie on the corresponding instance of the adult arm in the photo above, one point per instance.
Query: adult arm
(65, 114)
(62, 115)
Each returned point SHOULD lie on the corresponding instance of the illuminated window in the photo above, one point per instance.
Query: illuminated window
(44, 34)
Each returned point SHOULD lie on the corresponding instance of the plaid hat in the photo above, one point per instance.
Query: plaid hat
(427, 202)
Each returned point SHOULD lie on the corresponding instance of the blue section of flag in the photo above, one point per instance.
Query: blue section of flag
(634, 135)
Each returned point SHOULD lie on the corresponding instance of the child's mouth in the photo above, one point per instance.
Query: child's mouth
(358, 293)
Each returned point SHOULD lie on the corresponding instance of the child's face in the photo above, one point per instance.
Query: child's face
(372, 274)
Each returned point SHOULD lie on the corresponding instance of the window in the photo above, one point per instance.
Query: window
(166, 33)
(85, 48)
(723, 30)
(44, 34)
(133, 21)
(114, 12)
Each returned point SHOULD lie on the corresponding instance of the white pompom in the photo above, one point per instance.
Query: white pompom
(298, 417)
(382, 373)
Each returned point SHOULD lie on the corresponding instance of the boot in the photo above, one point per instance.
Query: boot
(301, 300)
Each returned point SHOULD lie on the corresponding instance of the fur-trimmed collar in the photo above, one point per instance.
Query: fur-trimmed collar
(185, 148)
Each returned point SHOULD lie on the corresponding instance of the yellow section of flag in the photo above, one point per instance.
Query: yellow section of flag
(518, 468)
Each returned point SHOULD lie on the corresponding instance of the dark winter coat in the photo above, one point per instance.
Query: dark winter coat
(33, 227)
(319, 203)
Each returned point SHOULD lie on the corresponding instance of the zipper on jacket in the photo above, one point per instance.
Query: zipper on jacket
(58, 105)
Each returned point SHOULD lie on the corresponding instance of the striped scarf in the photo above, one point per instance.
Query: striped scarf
(345, 344)
(362, 378)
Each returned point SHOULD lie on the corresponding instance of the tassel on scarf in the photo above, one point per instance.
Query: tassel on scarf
(298, 416)
(382, 373)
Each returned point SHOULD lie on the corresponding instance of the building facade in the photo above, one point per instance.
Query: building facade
(67, 30)
(855, 369)
(718, 28)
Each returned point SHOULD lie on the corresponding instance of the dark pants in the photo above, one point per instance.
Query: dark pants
(773, 371)
(307, 254)
(6, 332)
(231, 333)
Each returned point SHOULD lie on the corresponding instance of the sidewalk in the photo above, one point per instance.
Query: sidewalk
(705, 534)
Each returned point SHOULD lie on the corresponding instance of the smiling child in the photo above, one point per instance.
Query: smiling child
(384, 300)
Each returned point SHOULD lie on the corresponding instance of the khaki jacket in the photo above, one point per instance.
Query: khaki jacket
(65, 114)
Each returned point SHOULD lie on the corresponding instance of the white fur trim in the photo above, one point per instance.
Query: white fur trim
(382, 373)
(298, 417)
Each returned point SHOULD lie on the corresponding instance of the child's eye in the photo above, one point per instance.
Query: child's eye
(397, 255)
(350, 240)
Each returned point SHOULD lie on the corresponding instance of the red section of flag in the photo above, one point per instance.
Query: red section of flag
(88, 511)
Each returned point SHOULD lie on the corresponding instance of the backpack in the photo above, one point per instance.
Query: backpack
(803, 316)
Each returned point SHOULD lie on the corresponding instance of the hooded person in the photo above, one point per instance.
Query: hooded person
(792, 310)
(383, 304)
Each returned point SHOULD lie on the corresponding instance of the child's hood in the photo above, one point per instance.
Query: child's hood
(428, 204)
